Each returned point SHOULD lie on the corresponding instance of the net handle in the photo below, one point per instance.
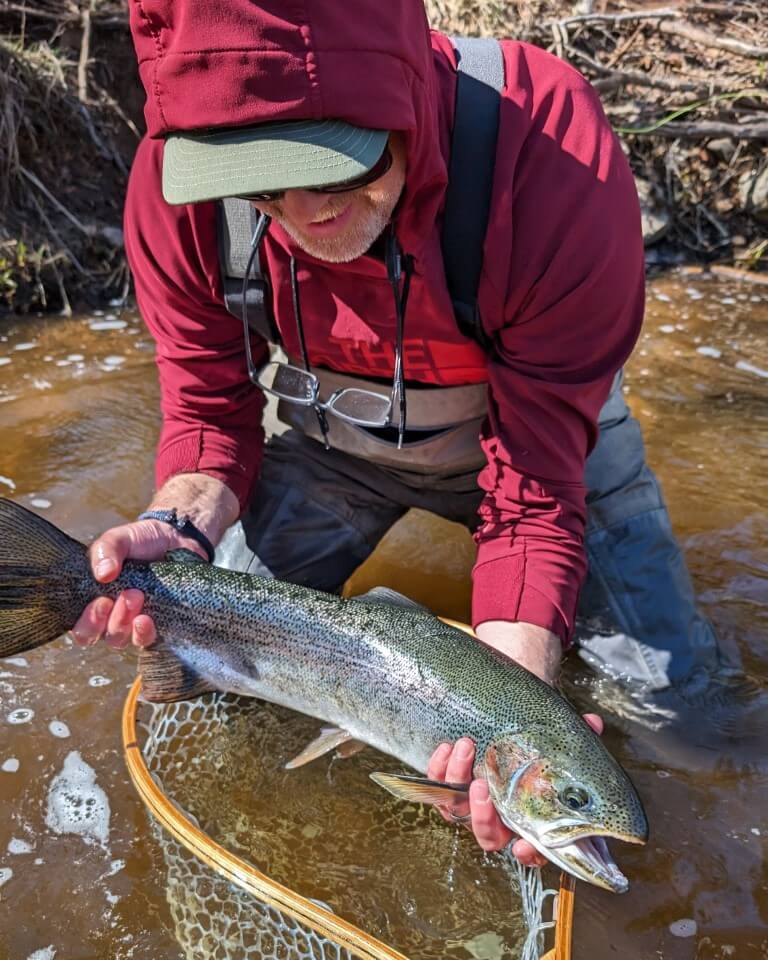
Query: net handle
(563, 920)
(233, 868)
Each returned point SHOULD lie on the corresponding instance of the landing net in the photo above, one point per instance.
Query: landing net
(223, 907)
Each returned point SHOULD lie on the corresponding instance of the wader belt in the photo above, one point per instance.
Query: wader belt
(449, 417)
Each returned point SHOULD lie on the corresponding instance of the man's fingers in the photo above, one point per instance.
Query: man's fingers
(487, 825)
(92, 622)
(108, 553)
(459, 770)
(595, 722)
(144, 633)
(120, 624)
(142, 540)
(527, 854)
(438, 762)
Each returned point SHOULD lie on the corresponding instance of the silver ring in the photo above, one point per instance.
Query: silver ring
(455, 818)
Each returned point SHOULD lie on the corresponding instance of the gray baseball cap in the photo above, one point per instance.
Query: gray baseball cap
(241, 161)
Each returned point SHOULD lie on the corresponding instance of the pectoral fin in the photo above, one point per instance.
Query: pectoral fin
(420, 789)
(165, 678)
(330, 738)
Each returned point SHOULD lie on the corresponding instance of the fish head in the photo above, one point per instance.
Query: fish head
(566, 802)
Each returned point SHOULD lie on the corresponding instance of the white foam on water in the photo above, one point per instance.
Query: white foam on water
(709, 352)
(686, 927)
(22, 715)
(108, 324)
(8, 482)
(39, 383)
(45, 953)
(59, 729)
(26, 346)
(40, 502)
(63, 363)
(667, 328)
(4, 361)
(755, 830)
(115, 867)
(17, 661)
(5, 875)
(16, 846)
(76, 803)
(75, 357)
(751, 368)
(728, 300)
(99, 681)
(663, 297)
(11, 765)
(114, 360)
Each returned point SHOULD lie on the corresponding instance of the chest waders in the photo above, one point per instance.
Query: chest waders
(321, 513)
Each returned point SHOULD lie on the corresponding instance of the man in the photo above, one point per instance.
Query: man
(335, 122)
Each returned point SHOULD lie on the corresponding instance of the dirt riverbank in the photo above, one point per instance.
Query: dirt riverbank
(684, 85)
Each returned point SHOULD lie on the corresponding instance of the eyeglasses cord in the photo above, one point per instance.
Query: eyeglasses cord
(399, 267)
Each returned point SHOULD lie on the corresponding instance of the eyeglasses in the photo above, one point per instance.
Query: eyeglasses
(365, 408)
(362, 407)
(381, 166)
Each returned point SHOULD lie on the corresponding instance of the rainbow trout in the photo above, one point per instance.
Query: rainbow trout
(394, 677)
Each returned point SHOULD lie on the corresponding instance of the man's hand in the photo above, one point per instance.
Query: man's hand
(212, 507)
(539, 651)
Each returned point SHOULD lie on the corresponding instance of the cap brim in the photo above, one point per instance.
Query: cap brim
(242, 161)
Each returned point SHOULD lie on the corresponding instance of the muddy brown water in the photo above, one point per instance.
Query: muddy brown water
(78, 423)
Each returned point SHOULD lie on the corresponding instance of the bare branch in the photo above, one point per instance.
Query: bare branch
(706, 39)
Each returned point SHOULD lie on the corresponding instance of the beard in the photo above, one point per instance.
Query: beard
(375, 207)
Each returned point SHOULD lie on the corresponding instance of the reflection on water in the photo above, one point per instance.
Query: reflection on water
(78, 421)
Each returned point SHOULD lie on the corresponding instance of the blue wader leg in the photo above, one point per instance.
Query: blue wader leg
(637, 580)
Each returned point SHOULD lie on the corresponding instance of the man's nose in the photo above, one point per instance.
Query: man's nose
(302, 206)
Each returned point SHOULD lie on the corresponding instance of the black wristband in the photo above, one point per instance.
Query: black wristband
(184, 525)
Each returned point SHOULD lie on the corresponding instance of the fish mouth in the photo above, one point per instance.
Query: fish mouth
(586, 858)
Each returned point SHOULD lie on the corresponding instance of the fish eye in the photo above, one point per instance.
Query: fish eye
(575, 798)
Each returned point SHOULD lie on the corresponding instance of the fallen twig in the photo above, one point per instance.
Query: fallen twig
(659, 14)
(85, 46)
(706, 39)
(701, 128)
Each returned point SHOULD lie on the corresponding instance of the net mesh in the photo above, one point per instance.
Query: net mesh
(214, 919)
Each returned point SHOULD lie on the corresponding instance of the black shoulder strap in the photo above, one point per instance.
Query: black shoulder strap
(479, 82)
(235, 223)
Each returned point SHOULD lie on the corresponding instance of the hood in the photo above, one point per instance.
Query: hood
(206, 64)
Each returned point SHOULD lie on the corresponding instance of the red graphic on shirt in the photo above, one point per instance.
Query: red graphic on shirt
(428, 361)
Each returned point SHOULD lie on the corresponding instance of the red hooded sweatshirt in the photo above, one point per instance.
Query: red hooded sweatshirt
(561, 291)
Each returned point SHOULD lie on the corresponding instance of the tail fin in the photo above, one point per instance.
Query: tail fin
(45, 580)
